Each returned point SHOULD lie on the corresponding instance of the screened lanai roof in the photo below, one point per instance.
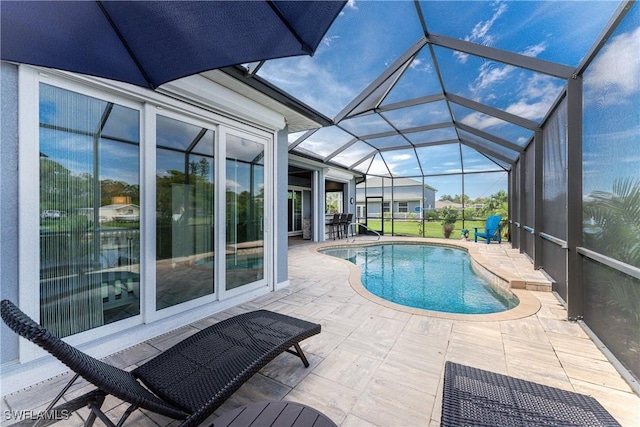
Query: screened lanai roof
(436, 87)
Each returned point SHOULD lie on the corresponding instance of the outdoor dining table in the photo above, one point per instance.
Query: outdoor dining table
(274, 414)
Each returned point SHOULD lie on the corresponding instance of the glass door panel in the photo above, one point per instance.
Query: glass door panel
(294, 199)
(244, 212)
(185, 212)
(89, 211)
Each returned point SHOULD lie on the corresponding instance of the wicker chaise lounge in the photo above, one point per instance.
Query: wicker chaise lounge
(475, 397)
(187, 382)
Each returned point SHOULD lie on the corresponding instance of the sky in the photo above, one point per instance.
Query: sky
(369, 36)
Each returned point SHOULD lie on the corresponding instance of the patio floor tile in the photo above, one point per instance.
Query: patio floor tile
(375, 366)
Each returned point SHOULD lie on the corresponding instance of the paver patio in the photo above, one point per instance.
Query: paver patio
(373, 365)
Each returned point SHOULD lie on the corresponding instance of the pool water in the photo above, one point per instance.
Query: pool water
(424, 276)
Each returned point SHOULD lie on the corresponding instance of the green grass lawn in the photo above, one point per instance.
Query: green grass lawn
(431, 229)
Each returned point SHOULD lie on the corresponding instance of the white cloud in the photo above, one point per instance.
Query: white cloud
(537, 94)
(489, 74)
(480, 32)
(615, 73)
(351, 4)
(481, 121)
(418, 65)
(401, 157)
(313, 84)
(535, 50)
(328, 41)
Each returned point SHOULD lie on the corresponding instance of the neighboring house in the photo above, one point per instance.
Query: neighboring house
(120, 213)
(116, 212)
(409, 196)
(448, 203)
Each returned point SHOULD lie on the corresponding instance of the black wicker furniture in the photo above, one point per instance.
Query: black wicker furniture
(474, 397)
(187, 382)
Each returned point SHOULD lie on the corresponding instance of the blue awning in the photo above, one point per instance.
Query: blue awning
(148, 43)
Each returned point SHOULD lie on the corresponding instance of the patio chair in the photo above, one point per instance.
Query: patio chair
(335, 226)
(347, 222)
(492, 230)
(189, 381)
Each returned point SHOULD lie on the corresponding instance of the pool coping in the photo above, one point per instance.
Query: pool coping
(528, 306)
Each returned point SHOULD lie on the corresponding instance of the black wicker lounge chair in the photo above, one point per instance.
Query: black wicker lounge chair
(474, 397)
(187, 382)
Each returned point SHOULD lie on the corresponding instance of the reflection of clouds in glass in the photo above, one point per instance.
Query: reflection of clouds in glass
(123, 123)
(233, 185)
(175, 133)
(70, 110)
(73, 152)
(167, 161)
(119, 162)
(615, 73)
(243, 149)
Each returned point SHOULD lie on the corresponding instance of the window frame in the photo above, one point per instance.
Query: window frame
(29, 200)
(148, 104)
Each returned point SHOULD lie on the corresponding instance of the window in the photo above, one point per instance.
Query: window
(386, 207)
(245, 215)
(333, 202)
(184, 211)
(89, 211)
(402, 207)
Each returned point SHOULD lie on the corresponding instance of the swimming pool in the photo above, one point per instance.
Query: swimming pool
(429, 277)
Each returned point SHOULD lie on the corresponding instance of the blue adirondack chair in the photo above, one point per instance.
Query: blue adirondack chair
(492, 230)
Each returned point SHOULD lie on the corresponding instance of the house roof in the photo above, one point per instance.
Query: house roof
(375, 182)
(119, 206)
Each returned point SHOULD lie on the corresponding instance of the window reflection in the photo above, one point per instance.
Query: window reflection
(184, 213)
(244, 212)
(89, 211)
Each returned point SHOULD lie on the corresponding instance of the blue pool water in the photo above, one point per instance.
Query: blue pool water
(424, 276)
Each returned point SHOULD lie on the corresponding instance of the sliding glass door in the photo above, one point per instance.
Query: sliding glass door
(89, 211)
(245, 211)
(184, 211)
(294, 209)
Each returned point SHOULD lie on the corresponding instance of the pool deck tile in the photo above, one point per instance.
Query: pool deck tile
(375, 365)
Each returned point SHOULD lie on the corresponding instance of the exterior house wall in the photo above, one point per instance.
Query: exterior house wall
(25, 365)
(411, 194)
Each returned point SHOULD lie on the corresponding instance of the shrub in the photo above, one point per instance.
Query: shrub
(449, 217)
